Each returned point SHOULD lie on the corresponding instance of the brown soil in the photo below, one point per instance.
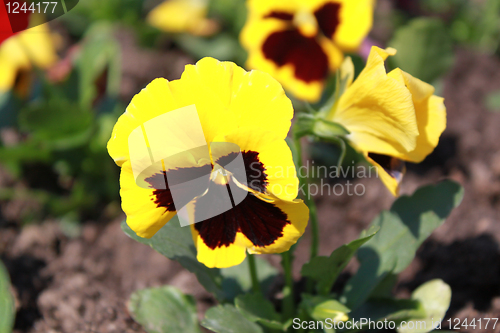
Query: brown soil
(82, 284)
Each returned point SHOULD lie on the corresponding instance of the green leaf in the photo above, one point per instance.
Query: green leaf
(435, 297)
(258, 309)
(237, 278)
(57, 124)
(322, 308)
(314, 124)
(327, 129)
(304, 125)
(493, 101)
(402, 230)
(176, 243)
(7, 311)
(227, 319)
(325, 270)
(8, 109)
(425, 49)
(222, 46)
(164, 310)
(389, 309)
(99, 57)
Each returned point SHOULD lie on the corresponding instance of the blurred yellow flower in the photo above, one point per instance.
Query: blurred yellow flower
(263, 215)
(391, 117)
(299, 42)
(178, 16)
(20, 53)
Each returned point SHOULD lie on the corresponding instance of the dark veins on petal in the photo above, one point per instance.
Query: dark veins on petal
(304, 53)
(328, 18)
(261, 222)
(284, 16)
(393, 166)
(254, 168)
(176, 180)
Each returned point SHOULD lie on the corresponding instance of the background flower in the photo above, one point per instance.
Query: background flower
(391, 117)
(178, 16)
(300, 42)
(24, 51)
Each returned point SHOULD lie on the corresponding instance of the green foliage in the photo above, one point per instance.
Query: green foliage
(425, 49)
(493, 101)
(325, 270)
(237, 278)
(99, 57)
(164, 310)
(57, 124)
(231, 15)
(7, 311)
(66, 127)
(390, 309)
(176, 243)
(227, 319)
(322, 308)
(224, 47)
(129, 12)
(402, 230)
(258, 309)
(435, 297)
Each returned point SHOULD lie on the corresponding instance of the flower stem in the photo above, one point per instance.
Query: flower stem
(253, 274)
(288, 295)
(304, 182)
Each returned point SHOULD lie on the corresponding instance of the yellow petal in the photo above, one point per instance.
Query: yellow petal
(378, 110)
(236, 90)
(221, 257)
(144, 216)
(179, 15)
(431, 116)
(8, 71)
(347, 72)
(224, 97)
(392, 175)
(298, 216)
(254, 224)
(356, 19)
(276, 158)
(253, 37)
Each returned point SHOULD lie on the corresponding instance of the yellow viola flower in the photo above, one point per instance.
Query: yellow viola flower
(392, 117)
(239, 113)
(20, 53)
(299, 42)
(178, 16)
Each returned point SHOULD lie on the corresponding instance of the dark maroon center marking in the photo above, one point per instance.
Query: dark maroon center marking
(261, 222)
(176, 180)
(284, 16)
(255, 170)
(328, 18)
(304, 53)
(393, 166)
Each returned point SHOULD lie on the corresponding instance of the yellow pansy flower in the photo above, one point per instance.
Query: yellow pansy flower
(299, 42)
(20, 53)
(238, 111)
(178, 16)
(392, 117)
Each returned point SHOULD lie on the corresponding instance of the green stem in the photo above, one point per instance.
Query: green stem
(253, 274)
(304, 182)
(288, 296)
